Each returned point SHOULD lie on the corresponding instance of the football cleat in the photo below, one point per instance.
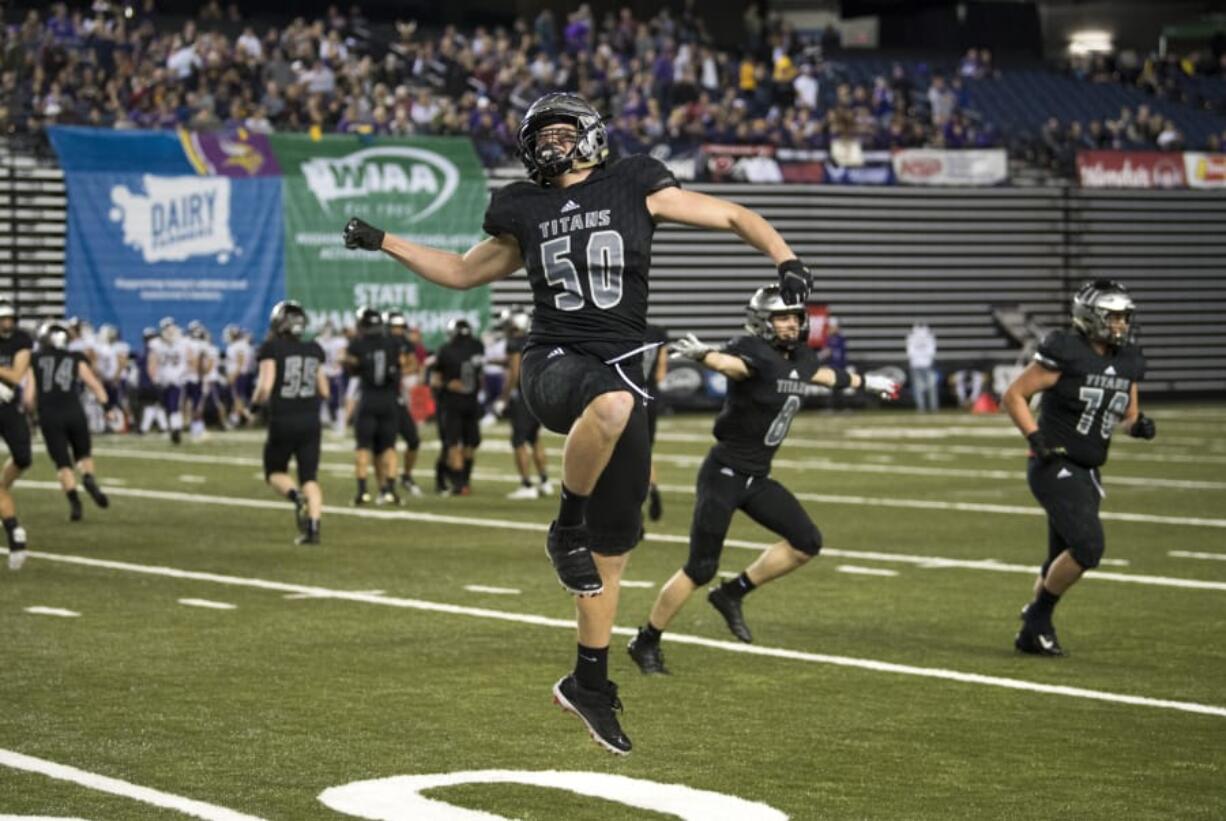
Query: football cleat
(572, 560)
(545, 488)
(75, 512)
(388, 497)
(410, 487)
(17, 558)
(98, 496)
(524, 492)
(597, 709)
(362, 499)
(647, 655)
(307, 539)
(462, 490)
(301, 519)
(655, 508)
(176, 437)
(730, 609)
(1037, 639)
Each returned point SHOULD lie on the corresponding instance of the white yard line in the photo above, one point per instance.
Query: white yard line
(864, 571)
(682, 638)
(52, 611)
(114, 786)
(497, 591)
(208, 605)
(537, 527)
(1193, 554)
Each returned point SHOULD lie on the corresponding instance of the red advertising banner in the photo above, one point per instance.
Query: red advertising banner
(1131, 169)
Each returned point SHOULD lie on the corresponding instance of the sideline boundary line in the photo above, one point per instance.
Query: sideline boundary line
(936, 562)
(680, 638)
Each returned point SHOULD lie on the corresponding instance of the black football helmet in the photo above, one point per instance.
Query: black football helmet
(288, 319)
(370, 321)
(546, 161)
(457, 327)
(1094, 303)
(395, 320)
(769, 302)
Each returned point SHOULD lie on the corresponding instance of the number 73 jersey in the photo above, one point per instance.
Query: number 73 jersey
(587, 250)
(1091, 396)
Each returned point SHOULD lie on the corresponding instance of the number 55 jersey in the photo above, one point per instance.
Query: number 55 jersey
(294, 394)
(1092, 395)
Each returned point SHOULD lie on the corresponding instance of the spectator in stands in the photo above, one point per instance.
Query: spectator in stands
(921, 356)
(941, 101)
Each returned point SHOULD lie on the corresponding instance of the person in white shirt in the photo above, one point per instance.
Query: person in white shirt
(239, 368)
(334, 346)
(110, 363)
(169, 362)
(806, 87)
(921, 355)
(196, 340)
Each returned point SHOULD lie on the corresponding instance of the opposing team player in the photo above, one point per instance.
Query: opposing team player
(238, 366)
(58, 373)
(374, 357)
(770, 372)
(291, 381)
(110, 364)
(334, 346)
(15, 346)
(457, 375)
(170, 361)
(1089, 377)
(582, 227)
(526, 444)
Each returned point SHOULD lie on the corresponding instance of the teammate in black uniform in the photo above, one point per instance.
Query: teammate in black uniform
(655, 367)
(582, 227)
(15, 345)
(770, 371)
(58, 373)
(398, 328)
(526, 445)
(457, 375)
(374, 357)
(1089, 377)
(292, 383)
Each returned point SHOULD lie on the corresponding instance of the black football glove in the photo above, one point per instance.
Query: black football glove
(795, 281)
(361, 234)
(1143, 428)
(1041, 450)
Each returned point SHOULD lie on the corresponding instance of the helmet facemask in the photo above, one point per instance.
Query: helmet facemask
(547, 159)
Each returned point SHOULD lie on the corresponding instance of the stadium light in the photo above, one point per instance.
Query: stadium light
(1090, 42)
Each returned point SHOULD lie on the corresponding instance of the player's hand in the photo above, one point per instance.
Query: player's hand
(361, 234)
(6, 392)
(795, 281)
(883, 386)
(1143, 428)
(690, 347)
(1041, 450)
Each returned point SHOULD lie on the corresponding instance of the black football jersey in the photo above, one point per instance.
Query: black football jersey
(461, 359)
(587, 250)
(378, 358)
(55, 376)
(758, 410)
(1092, 395)
(295, 389)
(10, 345)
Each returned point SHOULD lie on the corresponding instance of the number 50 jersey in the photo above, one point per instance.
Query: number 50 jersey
(587, 250)
(1092, 395)
(294, 391)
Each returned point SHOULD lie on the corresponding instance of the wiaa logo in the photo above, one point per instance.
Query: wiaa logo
(416, 173)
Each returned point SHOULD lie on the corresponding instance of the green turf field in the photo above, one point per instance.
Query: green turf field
(882, 684)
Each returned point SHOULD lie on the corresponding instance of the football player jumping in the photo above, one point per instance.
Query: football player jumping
(582, 227)
(1088, 376)
(770, 371)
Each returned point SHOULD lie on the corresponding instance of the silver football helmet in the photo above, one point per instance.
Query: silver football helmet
(766, 303)
(1093, 305)
(545, 161)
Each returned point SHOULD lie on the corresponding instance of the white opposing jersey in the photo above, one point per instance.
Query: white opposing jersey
(173, 359)
(334, 352)
(210, 362)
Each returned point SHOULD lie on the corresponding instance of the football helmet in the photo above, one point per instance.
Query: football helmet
(549, 159)
(519, 321)
(370, 321)
(149, 333)
(457, 327)
(231, 333)
(53, 335)
(196, 330)
(108, 332)
(769, 302)
(7, 312)
(1093, 305)
(395, 319)
(288, 318)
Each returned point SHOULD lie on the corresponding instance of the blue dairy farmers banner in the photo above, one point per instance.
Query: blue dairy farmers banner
(142, 246)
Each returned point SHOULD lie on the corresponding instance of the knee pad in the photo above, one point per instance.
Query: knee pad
(701, 571)
(810, 544)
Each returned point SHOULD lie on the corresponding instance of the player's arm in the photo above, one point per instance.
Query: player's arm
(661, 369)
(485, 262)
(687, 207)
(691, 347)
(21, 363)
(86, 374)
(322, 388)
(29, 392)
(1135, 423)
(264, 382)
(1016, 401)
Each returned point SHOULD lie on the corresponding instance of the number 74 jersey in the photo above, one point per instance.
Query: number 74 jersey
(587, 250)
(1091, 396)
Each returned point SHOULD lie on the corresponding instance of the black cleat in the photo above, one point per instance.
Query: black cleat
(362, 499)
(730, 609)
(307, 539)
(176, 437)
(301, 520)
(655, 508)
(1037, 639)
(572, 560)
(597, 709)
(647, 655)
(74, 510)
(98, 496)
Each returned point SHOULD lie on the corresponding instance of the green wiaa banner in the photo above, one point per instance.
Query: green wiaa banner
(426, 189)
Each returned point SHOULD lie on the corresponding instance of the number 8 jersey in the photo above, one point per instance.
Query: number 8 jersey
(1092, 395)
(587, 250)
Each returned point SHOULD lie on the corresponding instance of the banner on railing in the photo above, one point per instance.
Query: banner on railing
(1204, 170)
(933, 166)
(1131, 169)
